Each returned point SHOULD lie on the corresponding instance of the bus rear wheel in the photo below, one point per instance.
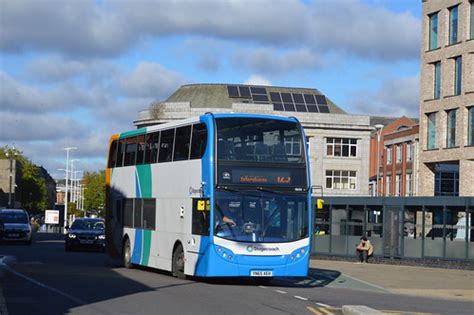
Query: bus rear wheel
(127, 256)
(178, 262)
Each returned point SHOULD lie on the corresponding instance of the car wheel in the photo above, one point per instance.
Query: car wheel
(127, 255)
(178, 262)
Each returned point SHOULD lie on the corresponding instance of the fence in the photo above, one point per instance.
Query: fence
(412, 227)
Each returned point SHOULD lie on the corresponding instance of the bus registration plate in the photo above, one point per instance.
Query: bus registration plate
(261, 273)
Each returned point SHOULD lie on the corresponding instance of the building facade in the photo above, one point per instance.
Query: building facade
(338, 142)
(447, 99)
(397, 156)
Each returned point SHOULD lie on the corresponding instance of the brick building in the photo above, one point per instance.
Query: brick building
(398, 157)
(447, 99)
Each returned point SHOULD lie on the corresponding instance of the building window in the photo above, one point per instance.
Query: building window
(446, 179)
(341, 147)
(389, 155)
(410, 154)
(431, 133)
(437, 80)
(470, 126)
(409, 185)
(457, 75)
(398, 185)
(451, 129)
(453, 25)
(399, 153)
(433, 31)
(341, 179)
(388, 186)
(472, 20)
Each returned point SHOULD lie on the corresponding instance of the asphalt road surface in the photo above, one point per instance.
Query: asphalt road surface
(44, 279)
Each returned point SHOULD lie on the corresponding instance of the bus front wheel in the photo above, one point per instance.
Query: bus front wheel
(127, 256)
(178, 262)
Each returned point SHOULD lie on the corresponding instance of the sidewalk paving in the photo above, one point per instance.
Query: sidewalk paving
(450, 284)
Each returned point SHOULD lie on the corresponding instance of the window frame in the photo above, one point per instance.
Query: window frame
(453, 33)
(433, 37)
(451, 118)
(433, 135)
(349, 176)
(335, 142)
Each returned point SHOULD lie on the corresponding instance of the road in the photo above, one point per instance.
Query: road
(44, 279)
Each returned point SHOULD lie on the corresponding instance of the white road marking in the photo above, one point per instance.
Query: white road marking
(301, 298)
(280, 291)
(262, 286)
(323, 305)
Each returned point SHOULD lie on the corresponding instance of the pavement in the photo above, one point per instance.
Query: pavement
(439, 283)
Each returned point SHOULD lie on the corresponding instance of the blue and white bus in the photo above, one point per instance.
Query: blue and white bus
(219, 195)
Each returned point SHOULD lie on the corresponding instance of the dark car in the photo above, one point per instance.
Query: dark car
(15, 226)
(86, 233)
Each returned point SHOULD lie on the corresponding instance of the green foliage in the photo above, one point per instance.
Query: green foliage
(72, 210)
(31, 186)
(94, 192)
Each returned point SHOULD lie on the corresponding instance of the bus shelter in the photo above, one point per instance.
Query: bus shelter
(411, 227)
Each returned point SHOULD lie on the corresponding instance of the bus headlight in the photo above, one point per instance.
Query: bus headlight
(297, 254)
(101, 237)
(225, 253)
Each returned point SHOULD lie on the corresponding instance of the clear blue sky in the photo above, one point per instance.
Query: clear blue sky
(74, 72)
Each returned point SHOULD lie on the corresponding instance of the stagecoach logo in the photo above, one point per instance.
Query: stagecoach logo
(226, 175)
(257, 248)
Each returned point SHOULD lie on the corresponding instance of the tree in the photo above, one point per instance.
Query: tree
(94, 192)
(31, 186)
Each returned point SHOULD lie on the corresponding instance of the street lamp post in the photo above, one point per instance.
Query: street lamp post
(11, 155)
(67, 185)
(379, 128)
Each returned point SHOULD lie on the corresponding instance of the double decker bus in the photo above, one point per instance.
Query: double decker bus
(219, 195)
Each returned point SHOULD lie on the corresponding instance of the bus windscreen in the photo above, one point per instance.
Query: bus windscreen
(259, 140)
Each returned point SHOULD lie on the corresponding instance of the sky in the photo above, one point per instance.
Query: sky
(72, 73)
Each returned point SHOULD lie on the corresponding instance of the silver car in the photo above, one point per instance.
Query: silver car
(15, 226)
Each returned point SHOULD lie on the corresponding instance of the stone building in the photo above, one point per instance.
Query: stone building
(447, 99)
(338, 142)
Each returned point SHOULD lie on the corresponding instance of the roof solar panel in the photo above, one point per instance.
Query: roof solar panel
(298, 98)
(286, 97)
(278, 106)
(309, 99)
(275, 97)
(323, 108)
(244, 91)
(312, 108)
(258, 90)
(301, 108)
(289, 107)
(233, 92)
(321, 99)
(260, 97)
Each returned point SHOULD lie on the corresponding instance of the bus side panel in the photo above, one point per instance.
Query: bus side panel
(171, 187)
(120, 177)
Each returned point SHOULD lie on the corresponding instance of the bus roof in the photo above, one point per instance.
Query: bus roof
(183, 122)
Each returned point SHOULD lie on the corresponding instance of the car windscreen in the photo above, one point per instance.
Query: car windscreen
(14, 218)
(88, 225)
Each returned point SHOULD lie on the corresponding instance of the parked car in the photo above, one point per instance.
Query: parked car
(15, 226)
(86, 233)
